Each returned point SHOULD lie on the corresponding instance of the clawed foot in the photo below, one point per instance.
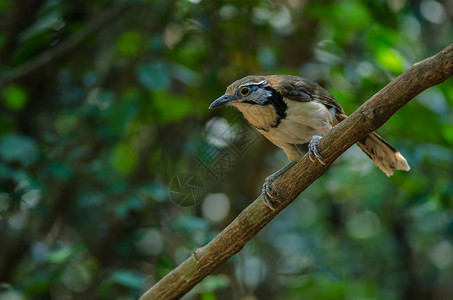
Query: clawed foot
(267, 192)
(313, 149)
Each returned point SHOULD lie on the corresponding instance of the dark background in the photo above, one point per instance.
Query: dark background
(104, 106)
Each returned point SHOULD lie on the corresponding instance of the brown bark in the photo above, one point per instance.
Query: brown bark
(367, 118)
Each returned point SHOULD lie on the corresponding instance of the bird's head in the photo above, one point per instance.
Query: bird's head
(248, 90)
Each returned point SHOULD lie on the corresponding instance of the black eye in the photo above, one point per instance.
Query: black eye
(245, 91)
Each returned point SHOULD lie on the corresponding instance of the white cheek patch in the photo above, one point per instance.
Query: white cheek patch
(260, 96)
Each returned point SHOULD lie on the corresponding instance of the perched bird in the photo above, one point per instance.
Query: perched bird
(291, 111)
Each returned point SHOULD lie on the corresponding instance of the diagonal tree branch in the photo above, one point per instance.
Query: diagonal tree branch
(367, 118)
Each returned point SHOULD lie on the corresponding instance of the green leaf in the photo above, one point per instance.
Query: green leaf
(390, 59)
(18, 148)
(37, 283)
(447, 133)
(60, 171)
(169, 108)
(129, 43)
(208, 296)
(31, 47)
(5, 5)
(14, 97)
(193, 224)
(78, 275)
(130, 205)
(11, 294)
(128, 278)
(65, 124)
(123, 158)
(53, 20)
(352, 14)
(216, 282)
(154, 75)
(7, 124)
(63, 254)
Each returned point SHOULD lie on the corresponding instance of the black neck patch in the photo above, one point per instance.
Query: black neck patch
(276, 100)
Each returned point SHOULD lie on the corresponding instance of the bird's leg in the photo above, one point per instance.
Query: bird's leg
(269, 180)
(313, 149)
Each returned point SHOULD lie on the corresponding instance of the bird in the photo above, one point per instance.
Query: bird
(291, 111)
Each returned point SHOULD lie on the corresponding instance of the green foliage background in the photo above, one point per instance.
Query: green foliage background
(91, 138)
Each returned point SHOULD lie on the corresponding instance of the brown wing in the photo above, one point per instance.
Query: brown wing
(300, 89)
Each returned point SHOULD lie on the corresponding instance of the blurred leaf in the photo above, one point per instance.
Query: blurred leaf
(170, 108)
(51, 21)
(31, 47)
(157, 44)
(77, 276)
(185, 75)
(119, 115)
(131, 279)
(267, 58)
(130, 204)
(14, 97)
(448, 89)
(39, 282)
(390, 59)
(352, 14)
(3, 40)
(192, 51)
(156, 192)
(18, 148)
(11, 295)
(64, 254)
(208, 296)
(193, 224)
(65, 124)
(154, 75)
(324, 287)
(448, 134)
(215, 282)
(60, 171)
(381, 36)
(129, 43)
(5, 5)
(123, 158)
(343, 19)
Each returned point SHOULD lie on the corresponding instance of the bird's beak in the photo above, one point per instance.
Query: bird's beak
(222, 101)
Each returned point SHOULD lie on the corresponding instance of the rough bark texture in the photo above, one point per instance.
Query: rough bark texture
(369, 117)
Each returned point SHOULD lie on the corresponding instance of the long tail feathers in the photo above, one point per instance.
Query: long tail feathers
(383, 154)
(387, 158)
